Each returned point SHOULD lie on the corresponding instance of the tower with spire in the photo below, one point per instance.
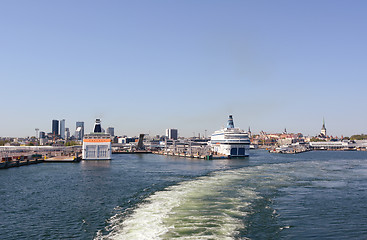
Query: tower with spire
(249, 133)
(323, 129)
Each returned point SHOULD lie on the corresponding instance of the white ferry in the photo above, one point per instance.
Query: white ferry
(230, 141)
(97, 145)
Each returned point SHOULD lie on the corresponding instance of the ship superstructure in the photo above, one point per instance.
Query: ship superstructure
(230, 141)
(97, 145)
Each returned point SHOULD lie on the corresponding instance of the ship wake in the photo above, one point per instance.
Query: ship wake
(208, 207)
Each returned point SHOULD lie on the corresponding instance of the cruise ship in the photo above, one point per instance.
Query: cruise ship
(230, 141)
(97, 145)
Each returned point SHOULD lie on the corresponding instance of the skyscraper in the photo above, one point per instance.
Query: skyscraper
(42, 135)
(62, 129)
(67, 133)
(79, 131)
(172, 133)
(55, 128)
(111, 131)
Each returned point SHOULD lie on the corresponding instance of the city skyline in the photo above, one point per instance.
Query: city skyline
(143, 67)
(110, 129)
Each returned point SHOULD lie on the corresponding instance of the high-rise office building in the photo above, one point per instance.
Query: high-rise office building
(55, 127)
(67, 133)
(172, 133)
(79, 132)
(111, 131)
(62, 128)
(42, 135)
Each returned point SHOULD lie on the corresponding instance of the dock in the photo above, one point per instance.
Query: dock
(17, 156)
(18, 161)
(132, 152)
(289, 149)
(62, 159)
(185, 155)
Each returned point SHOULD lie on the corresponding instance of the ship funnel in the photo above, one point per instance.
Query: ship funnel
(97, 126)
(230, 123)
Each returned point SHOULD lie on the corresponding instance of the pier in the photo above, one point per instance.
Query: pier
(131, 152)
(63, 159)
(18, 161)
(186, 155)
(17, 156)
(188, 149)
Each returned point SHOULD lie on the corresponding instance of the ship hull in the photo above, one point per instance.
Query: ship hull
(232, 150)
(230, 141)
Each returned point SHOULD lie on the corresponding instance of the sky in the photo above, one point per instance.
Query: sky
(144, 66)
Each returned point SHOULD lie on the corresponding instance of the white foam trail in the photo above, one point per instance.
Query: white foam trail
(214, 206)
(207, 207)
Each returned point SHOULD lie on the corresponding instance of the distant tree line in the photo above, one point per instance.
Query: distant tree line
(71, 143)
(3, 142)
(359, 137)
(315, 139)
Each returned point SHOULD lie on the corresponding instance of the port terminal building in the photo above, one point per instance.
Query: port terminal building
(337, 145)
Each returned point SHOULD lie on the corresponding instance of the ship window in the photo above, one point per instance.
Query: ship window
(102, 151)
(234, 151)
(241, 151)
(90, 151)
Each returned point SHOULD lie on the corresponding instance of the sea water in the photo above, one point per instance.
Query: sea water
(313, 195)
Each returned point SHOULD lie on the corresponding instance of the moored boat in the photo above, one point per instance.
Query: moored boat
(97, 145)
(230, 141)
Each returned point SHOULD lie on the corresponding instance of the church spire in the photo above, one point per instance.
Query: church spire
(323, 129)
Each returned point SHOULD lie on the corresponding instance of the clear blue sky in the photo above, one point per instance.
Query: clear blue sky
(144, 66)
